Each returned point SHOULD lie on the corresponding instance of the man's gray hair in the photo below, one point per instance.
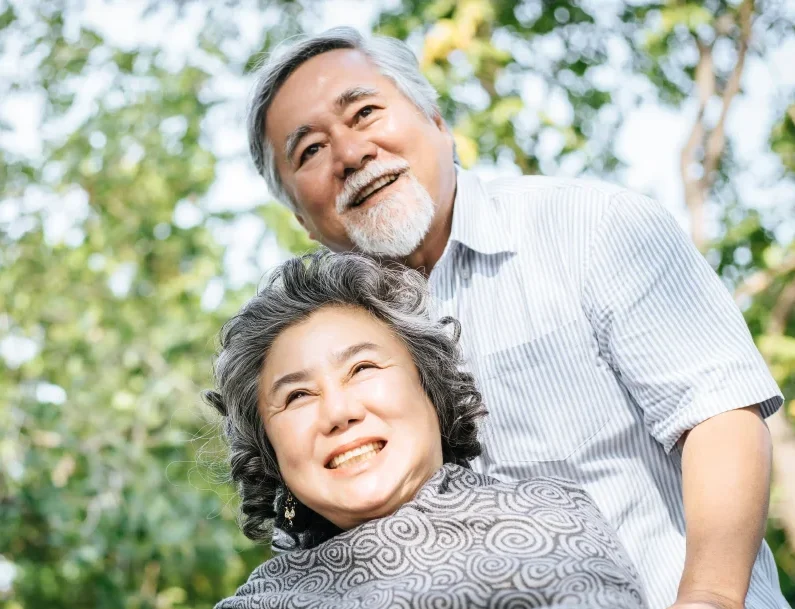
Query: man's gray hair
(396, 296)
(393, 58)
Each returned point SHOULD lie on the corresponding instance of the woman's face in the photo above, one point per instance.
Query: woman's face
(354, 432)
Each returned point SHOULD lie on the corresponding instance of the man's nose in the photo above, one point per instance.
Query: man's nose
(352, 151)
(341, 411)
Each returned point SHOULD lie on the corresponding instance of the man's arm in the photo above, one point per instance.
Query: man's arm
(678, 343)
(726, 485)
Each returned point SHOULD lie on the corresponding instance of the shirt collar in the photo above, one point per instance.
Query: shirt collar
(478, 223)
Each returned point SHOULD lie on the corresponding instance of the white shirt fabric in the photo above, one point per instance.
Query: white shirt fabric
(598, 335)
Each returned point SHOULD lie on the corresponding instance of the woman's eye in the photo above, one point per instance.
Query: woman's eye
(295, 395)
(363, 366)
(309, 151)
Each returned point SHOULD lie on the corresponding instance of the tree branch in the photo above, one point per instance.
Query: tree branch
(694, 192)
(716, 141)
(713, 141)
(779, 314)
(758, 282)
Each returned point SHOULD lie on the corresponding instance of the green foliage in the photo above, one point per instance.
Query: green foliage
(106, 501)
(480, 56)
(782, 140)
(112, 489)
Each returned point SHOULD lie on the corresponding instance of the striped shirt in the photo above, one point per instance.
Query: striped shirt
(598, 335)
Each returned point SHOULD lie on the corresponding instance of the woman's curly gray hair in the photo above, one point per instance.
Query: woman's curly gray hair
(395, 295)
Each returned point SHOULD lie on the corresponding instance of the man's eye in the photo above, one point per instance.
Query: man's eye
(309, 151)
(365, 112)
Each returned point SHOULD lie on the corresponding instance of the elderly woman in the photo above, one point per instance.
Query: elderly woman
(351, 425)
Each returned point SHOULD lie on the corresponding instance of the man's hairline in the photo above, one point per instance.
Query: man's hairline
(286, 199)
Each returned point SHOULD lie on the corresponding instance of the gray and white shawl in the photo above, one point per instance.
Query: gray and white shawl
(465, 540)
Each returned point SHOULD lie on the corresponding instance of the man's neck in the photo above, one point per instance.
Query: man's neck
(425, 257)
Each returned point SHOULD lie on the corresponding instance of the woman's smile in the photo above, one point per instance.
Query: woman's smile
(346, 457)
(367, 460)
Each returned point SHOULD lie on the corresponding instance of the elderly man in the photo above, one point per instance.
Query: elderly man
(607, 349)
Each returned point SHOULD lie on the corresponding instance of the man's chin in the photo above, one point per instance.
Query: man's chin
(400, 242)
(388, 251)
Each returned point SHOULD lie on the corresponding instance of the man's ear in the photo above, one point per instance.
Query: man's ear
(442, 125)
(302, 222)
(440, 122)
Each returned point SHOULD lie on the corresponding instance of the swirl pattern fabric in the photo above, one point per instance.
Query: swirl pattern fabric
(464, 541)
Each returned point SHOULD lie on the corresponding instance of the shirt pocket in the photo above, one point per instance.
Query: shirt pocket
(542, 396)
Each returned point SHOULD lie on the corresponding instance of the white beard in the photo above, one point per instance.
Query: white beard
(395, 226)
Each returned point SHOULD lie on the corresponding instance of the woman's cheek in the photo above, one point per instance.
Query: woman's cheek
(375, 385)
(291, 440)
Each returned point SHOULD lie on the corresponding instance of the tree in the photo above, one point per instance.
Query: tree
(103, 503)
(113, 277)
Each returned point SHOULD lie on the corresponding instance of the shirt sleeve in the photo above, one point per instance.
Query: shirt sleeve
(667, 325)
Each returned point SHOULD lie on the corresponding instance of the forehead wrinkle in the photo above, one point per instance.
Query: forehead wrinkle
(348, 352)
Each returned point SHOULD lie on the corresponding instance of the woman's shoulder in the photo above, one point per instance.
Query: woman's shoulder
(543, 490)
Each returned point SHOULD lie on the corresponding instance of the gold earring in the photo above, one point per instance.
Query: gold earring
(289, 509)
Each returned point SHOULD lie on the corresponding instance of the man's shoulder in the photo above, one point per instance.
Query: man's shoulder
(536, 188)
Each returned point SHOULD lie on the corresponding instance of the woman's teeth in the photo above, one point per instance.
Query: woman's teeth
(356, 455)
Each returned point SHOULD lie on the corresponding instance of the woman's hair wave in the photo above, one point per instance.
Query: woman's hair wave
(393, 294)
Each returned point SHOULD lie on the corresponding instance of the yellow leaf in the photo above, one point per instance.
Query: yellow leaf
(46, 439)
(778, 348)
(439, 42)
(467, 149)
(773, 255)
(170, 597)
(63, 470)
(505, 109)
(123, 400)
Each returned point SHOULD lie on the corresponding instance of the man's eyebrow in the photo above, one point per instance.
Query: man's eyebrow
(287, 379)
(354, 94)
(347, 97)
(292, 141)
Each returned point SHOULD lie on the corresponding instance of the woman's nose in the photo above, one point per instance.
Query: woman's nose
(341, 411)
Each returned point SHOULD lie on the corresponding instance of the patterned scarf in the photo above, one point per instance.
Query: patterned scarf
(465, 540)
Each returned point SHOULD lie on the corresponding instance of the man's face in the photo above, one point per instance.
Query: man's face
(366, 168)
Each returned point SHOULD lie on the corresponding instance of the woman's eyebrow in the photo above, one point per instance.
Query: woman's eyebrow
(287, 379)
(338, 357)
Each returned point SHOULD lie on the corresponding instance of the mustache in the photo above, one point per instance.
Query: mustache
(368, 174)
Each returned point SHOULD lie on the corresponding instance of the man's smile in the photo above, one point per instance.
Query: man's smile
(374, 187)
